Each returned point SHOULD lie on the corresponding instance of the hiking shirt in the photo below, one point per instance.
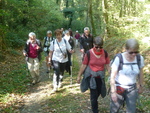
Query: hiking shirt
(127, 76)
(58, 55)
(96, 64)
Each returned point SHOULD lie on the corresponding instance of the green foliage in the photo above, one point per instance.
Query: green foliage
(13, 40)
(14, 82)
(21, 17)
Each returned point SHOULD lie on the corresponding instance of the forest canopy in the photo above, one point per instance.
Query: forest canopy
(113, 20)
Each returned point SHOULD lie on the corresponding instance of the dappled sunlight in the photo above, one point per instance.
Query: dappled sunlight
(146, 40)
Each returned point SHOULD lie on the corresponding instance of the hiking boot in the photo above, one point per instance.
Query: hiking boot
(54, 90)
(33, 82)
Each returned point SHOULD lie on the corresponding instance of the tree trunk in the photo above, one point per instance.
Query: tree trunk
(67, 4)
(106, 15)
(91, 17)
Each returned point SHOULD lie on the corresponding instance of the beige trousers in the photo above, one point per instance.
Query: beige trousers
(33, 66)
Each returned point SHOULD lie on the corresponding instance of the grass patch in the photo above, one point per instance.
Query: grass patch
(12, 85)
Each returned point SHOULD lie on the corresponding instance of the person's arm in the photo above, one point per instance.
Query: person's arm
(69, 47)
(112, 84)
(114, 72)
(50, 57)
(141, 81)
(108, 68)
(81, 44)
(82, 68)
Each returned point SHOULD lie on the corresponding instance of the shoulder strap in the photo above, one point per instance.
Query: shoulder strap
(45, 38)
(138, 57)
(59, 47)
(53, 43)
(88, 55)
(119, 55)
(64, 40)
(106, 54)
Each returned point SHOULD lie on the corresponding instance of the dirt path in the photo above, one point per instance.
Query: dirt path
(33, 101)
(36, 100)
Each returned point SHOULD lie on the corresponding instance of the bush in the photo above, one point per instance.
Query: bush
(13, 40)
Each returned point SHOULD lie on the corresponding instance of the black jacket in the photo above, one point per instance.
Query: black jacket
(86, 43)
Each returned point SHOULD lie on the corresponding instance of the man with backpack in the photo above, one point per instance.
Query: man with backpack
(86, 41)
(126, 68)
(32, 51)
(46, 45)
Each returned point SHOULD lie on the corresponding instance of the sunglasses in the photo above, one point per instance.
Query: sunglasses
(135, 52)
(98, 47)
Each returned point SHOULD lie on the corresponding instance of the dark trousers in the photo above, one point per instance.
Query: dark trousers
(59, 69)
(94, 94)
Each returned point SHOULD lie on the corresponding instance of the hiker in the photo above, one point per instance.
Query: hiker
(69, 38)
(86, 41)
(125, 69)
(63, 32)
(58, 55)
(77, 36)
(46, 46)
(70, 32)
(93, 70)
(32, 51)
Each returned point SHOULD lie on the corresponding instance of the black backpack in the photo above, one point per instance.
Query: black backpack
(45, 39)
(121, 63)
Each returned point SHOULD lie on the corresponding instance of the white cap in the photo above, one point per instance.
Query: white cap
(77, 31)
(49, 32)
(86, 28)
(32, 34)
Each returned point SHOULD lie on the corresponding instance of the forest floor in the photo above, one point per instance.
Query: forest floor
(68, 99)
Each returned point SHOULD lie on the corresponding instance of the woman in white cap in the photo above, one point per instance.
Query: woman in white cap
(32, 51)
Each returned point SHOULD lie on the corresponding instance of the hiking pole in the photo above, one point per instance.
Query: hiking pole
(71, 71)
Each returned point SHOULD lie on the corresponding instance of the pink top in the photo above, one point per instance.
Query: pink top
(96, 64)
(32, 51)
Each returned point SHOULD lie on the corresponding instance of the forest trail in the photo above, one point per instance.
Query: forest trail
(36, 101)
(37, 93)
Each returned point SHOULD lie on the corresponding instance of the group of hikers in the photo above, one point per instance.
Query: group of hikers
(125, 69)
